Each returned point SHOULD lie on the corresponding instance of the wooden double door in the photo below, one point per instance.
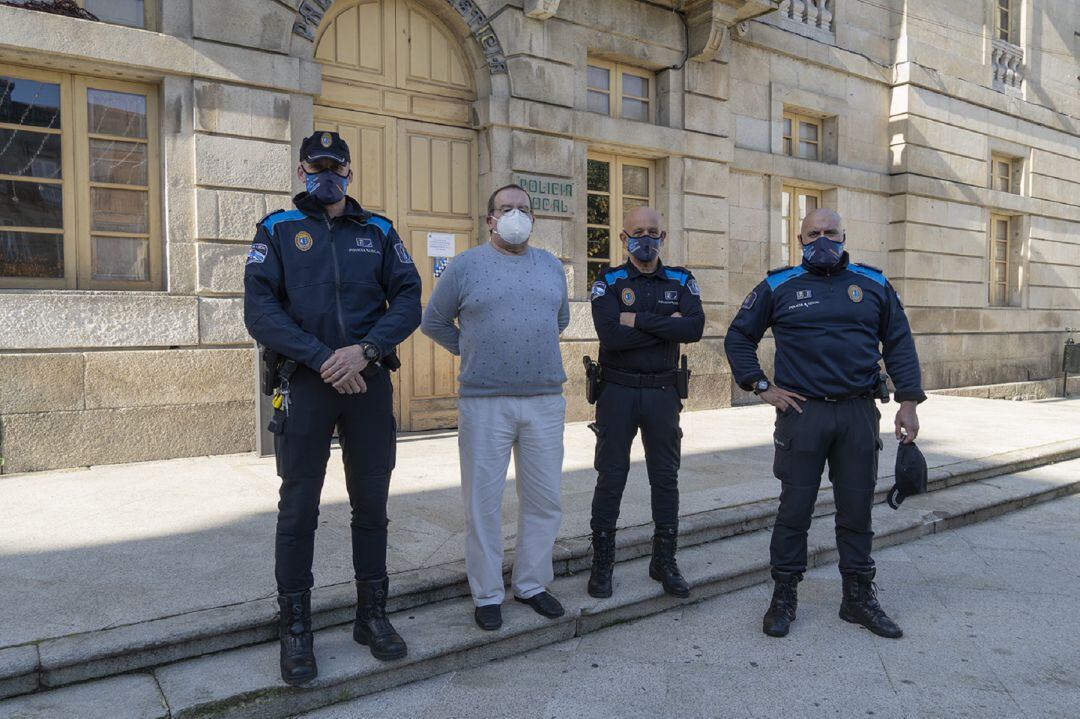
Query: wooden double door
(397, 88)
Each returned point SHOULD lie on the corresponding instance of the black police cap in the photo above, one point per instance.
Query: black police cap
(324, 145)
(910, 474)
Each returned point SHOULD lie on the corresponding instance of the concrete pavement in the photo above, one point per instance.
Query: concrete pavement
(84, 550)
(985, 608)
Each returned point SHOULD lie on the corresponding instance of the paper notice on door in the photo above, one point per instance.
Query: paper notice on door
(440, 244)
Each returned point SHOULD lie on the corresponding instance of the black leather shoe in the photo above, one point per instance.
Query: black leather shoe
(603, 563)
(488, 617)
(860, 606)
(544, 604)
(785, 600)
(372, 627)
(297, 645)
(663, 567)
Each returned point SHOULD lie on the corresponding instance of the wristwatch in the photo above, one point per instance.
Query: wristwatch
(371, 352)
(762, 385)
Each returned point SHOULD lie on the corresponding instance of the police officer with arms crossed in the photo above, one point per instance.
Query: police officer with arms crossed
(642, 311)
(832, 321)
(331, 287)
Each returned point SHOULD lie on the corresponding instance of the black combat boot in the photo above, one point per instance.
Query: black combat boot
(860, 606)
(663, 568)
(372, 628)
(603, 563)
(297, 644)
(785, 600)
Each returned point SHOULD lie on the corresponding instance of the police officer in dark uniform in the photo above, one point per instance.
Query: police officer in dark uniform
(642, 311)
(332, 289)
(832, 321)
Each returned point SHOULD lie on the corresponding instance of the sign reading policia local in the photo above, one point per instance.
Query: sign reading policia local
(550, 195)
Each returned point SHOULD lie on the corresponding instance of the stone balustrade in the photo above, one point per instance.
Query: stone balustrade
(815, 13)
(1007, 61)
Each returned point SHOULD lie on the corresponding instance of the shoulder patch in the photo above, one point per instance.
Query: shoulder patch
(692, 286)
(678, 275)
(869, 272)
(775, 279)
(257, 253)
(382, 223)
(280, 216)
(751, 298)
(614, 275)
(599, 289)
(402, 253)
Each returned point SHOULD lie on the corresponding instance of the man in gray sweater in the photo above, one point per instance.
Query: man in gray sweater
(510, 303)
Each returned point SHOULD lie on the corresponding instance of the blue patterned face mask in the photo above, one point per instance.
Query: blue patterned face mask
(823, 253)
(644, 248)
(327, 186)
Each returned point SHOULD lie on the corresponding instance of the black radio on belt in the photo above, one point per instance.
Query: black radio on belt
(881, 388)
(271, 362)
(682, 379)
(592, 380)
(389, 362)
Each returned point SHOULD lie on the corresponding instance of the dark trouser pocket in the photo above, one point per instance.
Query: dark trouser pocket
(781, 456)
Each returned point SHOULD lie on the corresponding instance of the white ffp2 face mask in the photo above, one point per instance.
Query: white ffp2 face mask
(514, 227)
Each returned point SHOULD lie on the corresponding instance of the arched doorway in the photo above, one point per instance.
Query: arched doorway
(398, 88)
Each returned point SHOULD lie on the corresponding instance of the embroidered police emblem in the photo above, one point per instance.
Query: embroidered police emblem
(257, 254)
(402, 253)
(599, 289)
(854, 293)
(628, 297)
(804, 294)
(364, 242)
(671, 295)
(748, 303)
(692, 286)
(326, 140)
(303, 241)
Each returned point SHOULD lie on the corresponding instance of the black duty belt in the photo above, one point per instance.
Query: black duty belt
(630, 379)
(845, 397)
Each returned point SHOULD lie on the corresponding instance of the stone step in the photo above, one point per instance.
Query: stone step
(244, 682)
(80, 657)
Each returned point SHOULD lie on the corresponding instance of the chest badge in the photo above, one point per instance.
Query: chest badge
(628, 297)
(855, 293)
(807, 294)
(303, 241)
(671, 295)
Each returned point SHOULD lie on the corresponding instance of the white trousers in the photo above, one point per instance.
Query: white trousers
(489, 428)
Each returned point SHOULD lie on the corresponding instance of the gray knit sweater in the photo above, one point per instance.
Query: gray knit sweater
(510, 311)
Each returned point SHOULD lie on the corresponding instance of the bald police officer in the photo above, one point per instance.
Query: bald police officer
(832, 322)
(332, 289)
(642, 312)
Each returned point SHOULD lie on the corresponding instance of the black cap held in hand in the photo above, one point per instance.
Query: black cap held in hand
(324, 145)
(910, 474)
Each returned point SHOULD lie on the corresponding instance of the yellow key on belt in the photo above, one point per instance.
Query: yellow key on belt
(278, 401)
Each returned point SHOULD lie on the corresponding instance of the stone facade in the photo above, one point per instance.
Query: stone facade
(913, 100)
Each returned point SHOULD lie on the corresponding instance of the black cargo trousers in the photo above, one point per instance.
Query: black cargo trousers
(368, 436)
(843, 433)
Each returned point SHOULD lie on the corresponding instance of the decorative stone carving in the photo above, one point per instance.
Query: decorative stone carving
(541, 9)
(309, 13)
(710, 22)
(1007, 61)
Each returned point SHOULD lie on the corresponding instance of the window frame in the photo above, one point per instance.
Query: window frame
(992, 262)
(615, 91)
(149, 15)
(75, 185)
(795, 118)
(1003, 32)
(792, 222)
(616, 253)
(995, 160)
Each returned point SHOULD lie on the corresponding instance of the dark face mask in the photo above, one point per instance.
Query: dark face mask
(823, 253)
(644, 248)
(327, 186)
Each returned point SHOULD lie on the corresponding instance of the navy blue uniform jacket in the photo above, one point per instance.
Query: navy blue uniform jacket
(314, 284)
(652, 344)
(831, 331)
